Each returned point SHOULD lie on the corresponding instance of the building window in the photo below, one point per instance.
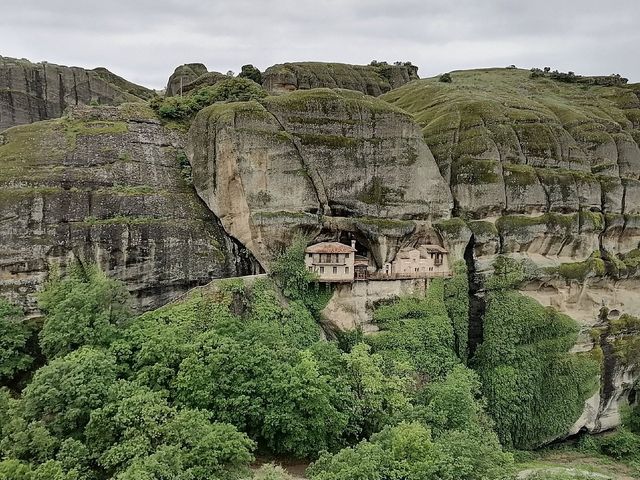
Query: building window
(310, 255)
(431, 269)
(347, 255)
(321, 269)
(346, 269)
(335, 270)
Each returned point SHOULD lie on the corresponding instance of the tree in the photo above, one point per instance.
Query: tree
(456, 297)
(252, 73)
(127, 433)
(63, 393)
(407, 450)
(417, 331)
(85, 308)
(273, 392)
(453, 403)
(15, 333)
(290, 272)
(377, 397)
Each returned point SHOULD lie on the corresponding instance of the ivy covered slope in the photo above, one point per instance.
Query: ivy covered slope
(313, 161)
(511, 144)
(30, 92)
(108, 184)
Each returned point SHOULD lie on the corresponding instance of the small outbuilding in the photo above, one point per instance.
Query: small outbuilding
(423, 261)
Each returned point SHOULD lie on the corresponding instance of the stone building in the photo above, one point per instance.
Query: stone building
(423, 261)
(332, 261)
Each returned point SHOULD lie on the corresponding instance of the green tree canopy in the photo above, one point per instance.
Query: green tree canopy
(15, 333)
(84, 308)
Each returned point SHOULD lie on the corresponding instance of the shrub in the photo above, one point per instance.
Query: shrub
(230, 90)
(445, 77)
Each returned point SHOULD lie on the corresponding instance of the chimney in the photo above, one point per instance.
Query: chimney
(353, 244)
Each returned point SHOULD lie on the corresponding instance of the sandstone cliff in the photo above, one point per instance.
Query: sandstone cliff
(106, 184)
(30, 92)
(369, 79)
(322, 162)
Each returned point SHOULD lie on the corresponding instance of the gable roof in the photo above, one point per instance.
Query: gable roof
(434, 248)
(330, 247)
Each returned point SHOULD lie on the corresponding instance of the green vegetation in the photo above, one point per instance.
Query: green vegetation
(535, 389)
(196, 388)
(15, 333)
(456, 298)
(556, 223)
(417, 331)
(594, 266)
(192, 389)
(84, 308)
(231, 90)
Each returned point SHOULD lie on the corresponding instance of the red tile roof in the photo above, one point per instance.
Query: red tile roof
(330, 247)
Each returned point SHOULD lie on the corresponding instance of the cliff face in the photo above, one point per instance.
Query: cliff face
(324, 162)
(369, 79)
(548, 172)
(31, 92)
(106, 184)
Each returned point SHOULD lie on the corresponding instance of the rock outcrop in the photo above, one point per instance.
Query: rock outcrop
(373, 79)
(547, 172)
(191, 76)
(30, 92)
(319, 161)
(105, 184)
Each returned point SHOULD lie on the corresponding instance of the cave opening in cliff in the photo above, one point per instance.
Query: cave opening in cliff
(348, 238)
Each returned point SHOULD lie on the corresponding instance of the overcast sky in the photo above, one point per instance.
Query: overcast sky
(144, 40)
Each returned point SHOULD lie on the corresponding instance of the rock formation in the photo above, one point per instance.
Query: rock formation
(319, 161)
(495, 162)
(106, 184)
(374, 79)
(191, 76)
(30, 92)
(548, 172)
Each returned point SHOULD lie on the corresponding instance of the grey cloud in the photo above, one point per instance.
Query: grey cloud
(144, 40)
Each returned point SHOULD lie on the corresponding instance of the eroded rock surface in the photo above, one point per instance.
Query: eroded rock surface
(30, 92)
(105, 184)
(292, 163)
(369, 79)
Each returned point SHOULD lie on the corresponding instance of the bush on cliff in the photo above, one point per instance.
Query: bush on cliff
(231, 90)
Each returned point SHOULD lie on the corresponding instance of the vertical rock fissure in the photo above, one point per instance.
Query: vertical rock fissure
(476, 300)
(607, 387)
(315, 178)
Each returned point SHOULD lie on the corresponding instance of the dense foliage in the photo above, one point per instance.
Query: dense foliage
(232, 90)
(15, 333)
(456, 297)
(535, 389)
(194, 389)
